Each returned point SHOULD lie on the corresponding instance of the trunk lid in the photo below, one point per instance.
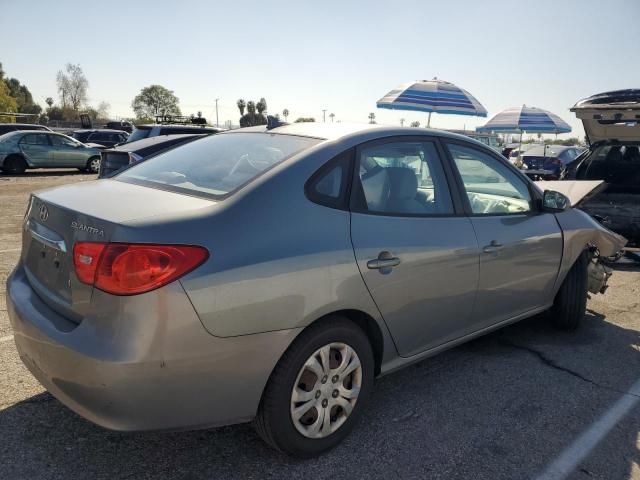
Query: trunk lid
(89, 212)
(610, 116)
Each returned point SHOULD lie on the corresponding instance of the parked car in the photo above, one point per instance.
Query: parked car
(117, 158)
(100, 137)
(272, 274)
(611, 125)
(12, 127)
(552, 158)
(123, 125)
(22, 149)
(146, 131)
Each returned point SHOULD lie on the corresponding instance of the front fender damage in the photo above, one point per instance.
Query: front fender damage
(581, 232)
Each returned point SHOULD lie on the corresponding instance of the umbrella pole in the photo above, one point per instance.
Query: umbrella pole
(520, 150)
(429, 120)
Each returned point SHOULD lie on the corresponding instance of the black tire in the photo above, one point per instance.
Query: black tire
(273, 421)
(91, 166)
(570, 304)
(14, 165)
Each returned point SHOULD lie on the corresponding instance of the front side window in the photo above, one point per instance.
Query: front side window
(492, 187)
(60, 141)
(404, 178)
(216, 165)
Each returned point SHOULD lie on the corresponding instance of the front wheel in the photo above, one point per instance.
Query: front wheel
(93, 165)
(318, 389)
(14, 164)
(570, 304)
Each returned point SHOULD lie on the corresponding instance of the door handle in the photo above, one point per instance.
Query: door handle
(493, 247)
(384, 261)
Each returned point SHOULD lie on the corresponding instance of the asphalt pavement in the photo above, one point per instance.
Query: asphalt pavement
(515, 404)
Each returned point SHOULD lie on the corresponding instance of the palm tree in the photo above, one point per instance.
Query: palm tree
(415, 124)
(402, 122)
(241, 106)
(285, 114)
(372, 117)
(332, 116)
(261, 106)
(49, 101)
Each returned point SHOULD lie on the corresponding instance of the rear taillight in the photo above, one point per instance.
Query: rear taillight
(129, 269)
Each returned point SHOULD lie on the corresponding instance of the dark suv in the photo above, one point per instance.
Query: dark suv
(106, 138)
(12, 127)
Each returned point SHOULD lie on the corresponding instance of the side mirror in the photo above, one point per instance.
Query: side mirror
(553, 201)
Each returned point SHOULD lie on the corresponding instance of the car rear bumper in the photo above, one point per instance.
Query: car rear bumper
(158, 370)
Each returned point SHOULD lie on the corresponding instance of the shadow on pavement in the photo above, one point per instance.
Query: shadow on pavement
(500, 407)
(44, 173)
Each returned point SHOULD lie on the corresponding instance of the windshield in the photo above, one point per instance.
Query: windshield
(138, 134)
(216, 165)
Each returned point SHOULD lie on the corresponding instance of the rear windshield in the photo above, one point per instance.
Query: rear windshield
(217, 165)
(139, 134)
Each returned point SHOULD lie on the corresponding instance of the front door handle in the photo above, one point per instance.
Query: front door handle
(493, 247)
(385, 261)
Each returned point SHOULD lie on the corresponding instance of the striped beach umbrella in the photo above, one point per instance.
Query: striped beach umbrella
(432, 96)
(525, 119)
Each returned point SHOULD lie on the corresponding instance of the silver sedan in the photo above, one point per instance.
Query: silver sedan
(272, 274)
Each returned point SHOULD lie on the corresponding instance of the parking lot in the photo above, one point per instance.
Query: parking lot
(505, 406)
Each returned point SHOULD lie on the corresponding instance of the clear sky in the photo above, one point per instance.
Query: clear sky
(336, 55)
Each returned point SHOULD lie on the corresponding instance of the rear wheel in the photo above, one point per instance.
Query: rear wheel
(570, 304)
(93, 165)
(14, 164)
(318, 390)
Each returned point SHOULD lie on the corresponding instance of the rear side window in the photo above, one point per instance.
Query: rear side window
(328, 186)
(217, 165)
(35, 139)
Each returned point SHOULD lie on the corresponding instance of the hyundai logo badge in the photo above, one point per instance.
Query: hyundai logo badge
(44, 213)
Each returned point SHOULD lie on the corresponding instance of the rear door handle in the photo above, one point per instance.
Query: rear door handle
(493, 247)
(384, 260)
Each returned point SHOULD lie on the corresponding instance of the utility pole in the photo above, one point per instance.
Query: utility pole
(324, 115)
(217, 124)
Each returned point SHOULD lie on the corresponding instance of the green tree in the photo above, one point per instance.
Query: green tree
(8, 104)
(285, 114)
(72, 86)
(155, 100)
(49, 101)
(415, 124)
(305, 119)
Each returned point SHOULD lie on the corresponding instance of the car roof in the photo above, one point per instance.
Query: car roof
(146, 142)
(334, 131)
(178, 125)
(102, 130)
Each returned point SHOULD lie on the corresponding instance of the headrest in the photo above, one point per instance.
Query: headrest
(404, 183)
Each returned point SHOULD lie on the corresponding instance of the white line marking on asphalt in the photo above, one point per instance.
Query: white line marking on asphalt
(11, 250)
(571, 457)
(6, 339)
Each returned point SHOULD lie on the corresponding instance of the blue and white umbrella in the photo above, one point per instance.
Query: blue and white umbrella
(432, 96)
(525, 119)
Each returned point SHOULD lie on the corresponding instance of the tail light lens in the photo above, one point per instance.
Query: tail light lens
(130, 269)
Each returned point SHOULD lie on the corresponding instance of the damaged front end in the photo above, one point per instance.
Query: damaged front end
(597, 272)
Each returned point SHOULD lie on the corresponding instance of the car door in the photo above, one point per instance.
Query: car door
(415, 248)
(36, 148)
(68, 152)
(520, 246)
